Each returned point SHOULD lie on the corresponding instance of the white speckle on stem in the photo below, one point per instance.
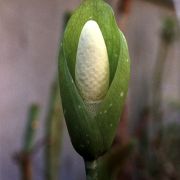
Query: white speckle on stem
(105, 111)
(116, 55)
(111, 125)
(110, 105)
(121, 94)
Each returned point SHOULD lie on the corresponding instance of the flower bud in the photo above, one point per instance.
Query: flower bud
(94, 71)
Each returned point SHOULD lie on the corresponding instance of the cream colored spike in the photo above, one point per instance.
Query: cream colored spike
(92, 65)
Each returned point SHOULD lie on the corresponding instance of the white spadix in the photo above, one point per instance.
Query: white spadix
(92, 64)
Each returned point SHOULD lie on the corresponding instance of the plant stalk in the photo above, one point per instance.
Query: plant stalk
(53, 134)
(24, 157)
(109, 165)
(97, 170)
(26, 167)
(54, 127)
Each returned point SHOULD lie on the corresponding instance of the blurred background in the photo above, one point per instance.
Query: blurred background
(34, 142)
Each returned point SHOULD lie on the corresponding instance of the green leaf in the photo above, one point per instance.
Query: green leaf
(83, 129)
(109, 114)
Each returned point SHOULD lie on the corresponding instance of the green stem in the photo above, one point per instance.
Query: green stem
(109, 165)
(91, 170)
(31, 128)
(53, 134)
(167, 37)
(97, 170)
(54, 127)
(24, 157)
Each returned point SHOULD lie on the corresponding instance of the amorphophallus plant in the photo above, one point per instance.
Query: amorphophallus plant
(94, 72)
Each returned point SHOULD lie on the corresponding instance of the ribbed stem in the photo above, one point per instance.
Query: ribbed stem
(96, 170)
(91, 170)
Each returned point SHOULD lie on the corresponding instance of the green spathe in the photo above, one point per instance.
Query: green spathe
(92, 135)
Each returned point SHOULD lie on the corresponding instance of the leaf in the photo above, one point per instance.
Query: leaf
(109, 114)
(83, 129)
